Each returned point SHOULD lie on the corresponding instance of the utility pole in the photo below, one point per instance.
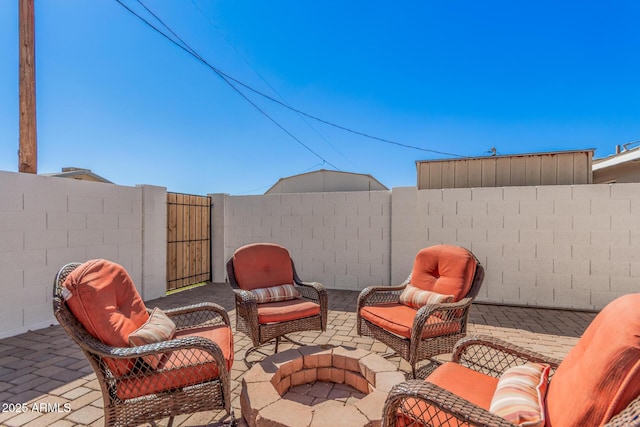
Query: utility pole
(28, 152)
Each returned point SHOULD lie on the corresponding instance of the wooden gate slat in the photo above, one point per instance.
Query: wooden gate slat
(188, 239)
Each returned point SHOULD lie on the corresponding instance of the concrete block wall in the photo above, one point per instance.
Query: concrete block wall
(218, 255)
(404, 244)
(154, 241)
(46, 222)
(340, 239)
(554, 246)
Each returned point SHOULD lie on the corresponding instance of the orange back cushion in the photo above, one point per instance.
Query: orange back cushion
(262, 265)
(445, 269)
(102, 296)
(601, 375)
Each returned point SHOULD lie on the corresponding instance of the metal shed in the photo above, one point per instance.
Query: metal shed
(552, 168)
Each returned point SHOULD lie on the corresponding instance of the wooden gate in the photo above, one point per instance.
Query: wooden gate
(188, 240)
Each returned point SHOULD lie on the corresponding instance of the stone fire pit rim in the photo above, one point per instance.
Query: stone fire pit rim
(268, 380)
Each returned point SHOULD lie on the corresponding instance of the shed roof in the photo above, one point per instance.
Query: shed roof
(79, 173)
(324, 180)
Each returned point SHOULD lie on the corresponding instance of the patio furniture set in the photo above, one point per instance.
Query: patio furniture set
(154, 364)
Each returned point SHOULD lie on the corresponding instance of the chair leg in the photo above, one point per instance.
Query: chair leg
(170, 422)
(257, 348)
(232, 420)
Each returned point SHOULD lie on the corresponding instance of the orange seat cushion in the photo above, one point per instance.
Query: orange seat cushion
(262, 265)
(398, 319)
(181, 368)
(466, 383)
(103, 298)
(604, 367)
(283, 311)
(470, 385)
(444, 269)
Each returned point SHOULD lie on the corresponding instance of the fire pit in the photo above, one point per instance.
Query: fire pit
(315, 386)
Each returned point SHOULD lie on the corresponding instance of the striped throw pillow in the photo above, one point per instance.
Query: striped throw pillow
(158, 328)
(276, 293)
(416, 297)
(520, 395)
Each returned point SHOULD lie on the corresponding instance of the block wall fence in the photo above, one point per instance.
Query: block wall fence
(564, 246)
(550, 246)
(46, 222)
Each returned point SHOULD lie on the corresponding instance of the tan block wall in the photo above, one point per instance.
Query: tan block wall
(339, 239)
(46, 222)
(569, 246)
(553, 246)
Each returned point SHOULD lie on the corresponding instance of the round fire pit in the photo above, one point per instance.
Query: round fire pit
(356, 385)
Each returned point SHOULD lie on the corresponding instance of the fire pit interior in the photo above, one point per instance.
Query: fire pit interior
(315, 386)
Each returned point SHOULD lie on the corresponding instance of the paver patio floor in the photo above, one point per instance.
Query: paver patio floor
(46, 368)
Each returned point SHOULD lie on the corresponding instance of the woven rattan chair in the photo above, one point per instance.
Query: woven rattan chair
(262, 268)
(417, 334)
(597, 384)
(141, 384)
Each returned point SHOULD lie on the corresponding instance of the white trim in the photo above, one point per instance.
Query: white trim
(616, 159)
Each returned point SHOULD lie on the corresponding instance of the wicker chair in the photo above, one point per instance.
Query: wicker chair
(141, 384)
(417, 334)
(597, 384)
(262, 267)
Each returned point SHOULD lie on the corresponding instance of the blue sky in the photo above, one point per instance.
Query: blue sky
(457, 77)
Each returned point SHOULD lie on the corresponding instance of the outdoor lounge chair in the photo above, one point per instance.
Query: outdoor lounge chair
(490, 382)
(271, 300)
(427, 314)
(150, 364)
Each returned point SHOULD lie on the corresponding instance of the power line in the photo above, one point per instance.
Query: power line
(366, 135)
(246, 61)
(228, 79)
(185, 46)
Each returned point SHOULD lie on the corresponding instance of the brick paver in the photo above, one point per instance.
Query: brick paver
(42, 371)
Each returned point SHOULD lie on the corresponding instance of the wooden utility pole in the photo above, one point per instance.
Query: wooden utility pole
(28, 152)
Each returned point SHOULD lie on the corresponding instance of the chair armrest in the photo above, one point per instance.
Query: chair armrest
(198, 315)
(629, 416)
(453, 323)
(492, 356)
(448, 312)
(245, 298)
(426, 402)
(314, 291)
(380, 294)
(182, 344)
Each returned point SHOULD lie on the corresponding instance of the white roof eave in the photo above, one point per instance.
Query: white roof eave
(627, 156)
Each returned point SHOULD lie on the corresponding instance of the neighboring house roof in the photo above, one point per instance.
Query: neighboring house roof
(326, 181)
(79, 173)
(623, 166)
